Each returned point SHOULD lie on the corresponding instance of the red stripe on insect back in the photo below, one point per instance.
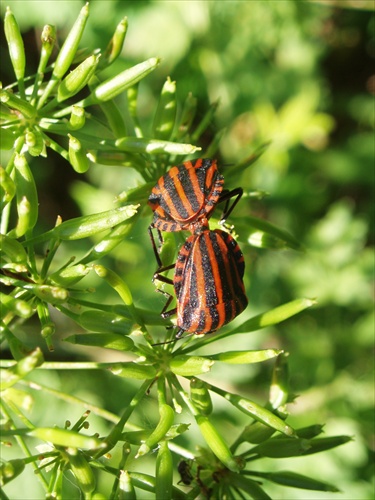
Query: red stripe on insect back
(208, 282)
(185, 195)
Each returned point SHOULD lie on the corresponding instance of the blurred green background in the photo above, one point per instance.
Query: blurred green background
(298, 74)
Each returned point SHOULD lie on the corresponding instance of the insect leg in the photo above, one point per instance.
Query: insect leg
(226, 196)
(156, 251)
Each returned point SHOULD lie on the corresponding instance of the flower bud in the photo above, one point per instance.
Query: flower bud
(70, 275)
(126, 486)
(18, 307)
(10, 470)
(135, 437)
(256, 433)
(246, 357)
(48, 326)
(65, 437)
(7, 138)
(216, 443)
(129, 369)
(77, 79)
(164, 472)
(15, 44)
(7, 187)
(48, 39)
(116, 283)
(109, 242)
(279, 389)
(88, 225)
(66, 55)
(114, 47)
(106, 340)
(105, 322)
(255, 411)
(77, 155)
(77, 118)
(117, 84)
(82, 471)
(51, 294)
(35, 142)
(310, 431)
(70, 46)
(200, 396)
(165, 422)
(12, 250)
(188, 366)
(22, 368)
(14, 102)
(276, 315)
(153, 146)
(27, 197)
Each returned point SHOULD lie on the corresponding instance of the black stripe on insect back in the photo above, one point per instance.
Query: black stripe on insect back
(235, 253)
(193, 189)
(187, 189)
(189, 302)
(208, 282)
(223, 289)
(179, 272)
(175, 192)
(211, 286)
(206, 317)
(231, 265)
(222, 257)
(209, 318)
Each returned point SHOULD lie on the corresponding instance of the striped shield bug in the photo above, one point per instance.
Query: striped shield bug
(186, 195)
(208, 282)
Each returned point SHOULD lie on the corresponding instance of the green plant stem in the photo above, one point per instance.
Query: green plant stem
(18, 145)
(161, 391)
(113, 437)
(74, 365)
(52, 249)
(31, 254)
(56, 147)
(22, 444)
(121, 467)
(5, 214)
(111, 417)
(19, 414)
(3, 495)
(96, 410)
(183, 394)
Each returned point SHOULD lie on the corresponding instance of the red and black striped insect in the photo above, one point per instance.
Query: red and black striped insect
(208, 279)
(208, 282)
(184, 198)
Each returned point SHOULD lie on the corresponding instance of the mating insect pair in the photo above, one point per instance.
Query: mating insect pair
(208, 277)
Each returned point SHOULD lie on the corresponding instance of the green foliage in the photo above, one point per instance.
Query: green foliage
(86, 279)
